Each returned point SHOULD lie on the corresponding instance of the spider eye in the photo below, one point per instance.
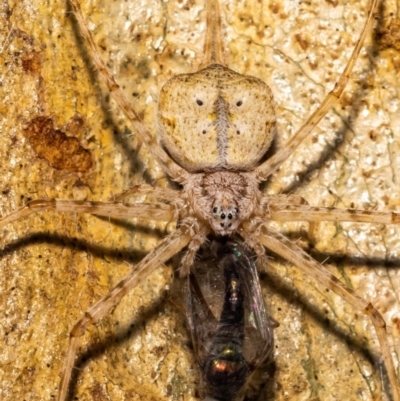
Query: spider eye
(239, 103)
(199, 102)
(215, 210)
(223, 216)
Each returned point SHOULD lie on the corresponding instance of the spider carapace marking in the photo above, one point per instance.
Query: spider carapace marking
(226, 120)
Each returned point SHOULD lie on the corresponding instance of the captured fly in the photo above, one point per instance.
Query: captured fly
(231, 331)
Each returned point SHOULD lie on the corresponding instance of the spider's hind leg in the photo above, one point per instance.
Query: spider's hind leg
(164, 251)
(286, 249)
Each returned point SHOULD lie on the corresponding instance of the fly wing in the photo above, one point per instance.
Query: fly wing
(204, 290)
(231, 331)
(258, 324)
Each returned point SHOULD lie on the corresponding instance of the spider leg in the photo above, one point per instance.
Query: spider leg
(158, 211)
(316, 214)
(269, 166)
(294, 254)
(176, 172)
(284, 201)
(164, 251)
(213, 44)
(165, 194)
(199, 236)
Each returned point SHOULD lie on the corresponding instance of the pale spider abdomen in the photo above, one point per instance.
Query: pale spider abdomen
(216, 119)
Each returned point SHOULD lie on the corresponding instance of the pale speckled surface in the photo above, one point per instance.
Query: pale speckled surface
(216, 119)
(54, 267)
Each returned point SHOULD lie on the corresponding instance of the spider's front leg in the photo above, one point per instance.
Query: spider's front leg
(267, 168)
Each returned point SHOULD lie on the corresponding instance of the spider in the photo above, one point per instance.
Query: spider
(61, 351)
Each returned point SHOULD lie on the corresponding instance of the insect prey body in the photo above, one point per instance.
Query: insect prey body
(231, 331)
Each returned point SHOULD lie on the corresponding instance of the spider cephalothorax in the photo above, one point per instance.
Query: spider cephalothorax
(223, 199)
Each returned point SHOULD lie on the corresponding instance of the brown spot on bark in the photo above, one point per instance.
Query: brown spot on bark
(75, 125)
(389, 36)
(334, 3)
(59, 150)
(372, 135)
(396, 322)
(274, 7)
(31, 63)
(302, 40)
(97, 393)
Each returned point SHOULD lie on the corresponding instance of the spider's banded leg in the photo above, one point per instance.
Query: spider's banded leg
(269, 166)
(295, 255)
(170, 246)
(315, 214)
(282, 201)
(158, 211)
(187, 260)
(176, 172)
(251, 239)
(144, 189)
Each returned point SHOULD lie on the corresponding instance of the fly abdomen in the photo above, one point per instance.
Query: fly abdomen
(231, 322)
(226, 369)
(226, 372)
